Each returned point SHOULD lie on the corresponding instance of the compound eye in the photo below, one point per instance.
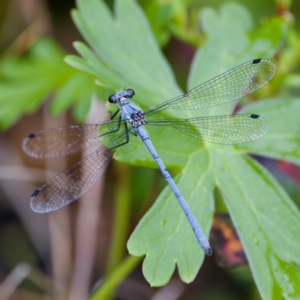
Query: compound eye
(131, 93)
(111, 99)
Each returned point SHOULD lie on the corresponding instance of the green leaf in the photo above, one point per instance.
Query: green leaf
(82, 107)
(266, 219)
(164, 234)
(76, 93)
(27, 81)
(93, 65)
(138, 63)
(63, 98)
(283, 139)
(163, 15)
(229, 44)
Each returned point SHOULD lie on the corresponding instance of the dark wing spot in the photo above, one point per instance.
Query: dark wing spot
(254, 116)
(32, 135)
(256, 61)
(35, 193)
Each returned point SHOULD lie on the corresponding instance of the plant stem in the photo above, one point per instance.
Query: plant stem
(105, 291)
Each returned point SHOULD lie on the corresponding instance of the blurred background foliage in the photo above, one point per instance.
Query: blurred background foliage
(67, 253)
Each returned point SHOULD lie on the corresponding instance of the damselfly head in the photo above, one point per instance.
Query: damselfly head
(129, 93)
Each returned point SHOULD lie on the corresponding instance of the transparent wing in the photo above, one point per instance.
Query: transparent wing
(65, 140)
(235, 129)
(75, 181)
(227, 87)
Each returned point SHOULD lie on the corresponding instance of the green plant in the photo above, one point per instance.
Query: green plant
(124, 52)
